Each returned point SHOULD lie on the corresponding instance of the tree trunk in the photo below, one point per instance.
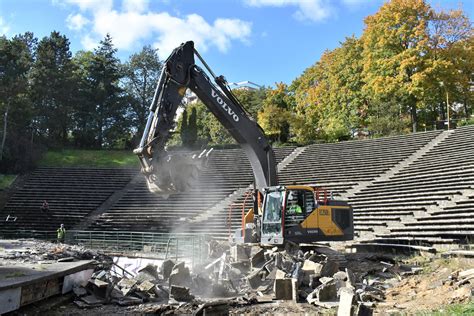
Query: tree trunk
(466, 109)
(4, 136)
(414, 117)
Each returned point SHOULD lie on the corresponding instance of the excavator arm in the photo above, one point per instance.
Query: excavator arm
(166, 173)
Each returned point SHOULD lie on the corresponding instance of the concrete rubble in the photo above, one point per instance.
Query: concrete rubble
(242, 275)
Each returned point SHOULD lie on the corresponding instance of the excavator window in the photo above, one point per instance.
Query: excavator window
(272, 212)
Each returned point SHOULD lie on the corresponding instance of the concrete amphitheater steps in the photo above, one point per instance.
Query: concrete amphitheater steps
(72, 194)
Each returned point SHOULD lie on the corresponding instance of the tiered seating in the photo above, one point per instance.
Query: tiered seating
(414, 202)
(410, 195)
(340, 166)
(140, 210)
(72, 193)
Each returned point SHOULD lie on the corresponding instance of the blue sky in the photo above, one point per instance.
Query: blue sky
(263, 41)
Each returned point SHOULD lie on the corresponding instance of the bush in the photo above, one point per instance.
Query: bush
(20, 154)
(466, 122)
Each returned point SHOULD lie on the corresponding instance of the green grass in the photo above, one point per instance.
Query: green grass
(6, 180)
(89, 158)
(454, 310)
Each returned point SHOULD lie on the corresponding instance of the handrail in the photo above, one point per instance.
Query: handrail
(243, 212)
(184, 245)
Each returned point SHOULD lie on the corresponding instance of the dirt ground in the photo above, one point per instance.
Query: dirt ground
(433, 289)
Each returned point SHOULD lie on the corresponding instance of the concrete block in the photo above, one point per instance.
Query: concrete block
(346, 301)
(312, 267)
(166, 268)
(255, 280)
(286, 289)
(280, 274)
(180, 275)
(243, 266)
(239, 252)
(181, 293)
(258, 258)
(351, 279)
(327, 292)
(329, 268)
(340, 275)
(151, 270)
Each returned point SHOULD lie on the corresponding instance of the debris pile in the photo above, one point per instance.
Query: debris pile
(242, 275)
(245, 276)
(29, 251)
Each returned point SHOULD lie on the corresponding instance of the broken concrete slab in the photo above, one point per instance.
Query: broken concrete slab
(346, 300)
(180, 293)
(258, 258)
(329, 268)
(91, 300)
(215, 308)
(125, 282)
(340, 275)
(67, 259)
(326, 292)
(312, 267)
(166, 268)
(243, 266)
(351, 278)
(128, 301)
(180, 275)
(239, 252)
(146, 286)
(98, 283)
(328, 305)
(254, 279)
(151, 270)
(285, 289)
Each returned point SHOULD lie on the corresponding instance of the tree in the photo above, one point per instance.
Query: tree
(192, 128)
(451, 51)
(84, 108)
(251, 99)
(183, 128)
(275, 117)
(15, 62)
(396, 46)
(110, 110)
(141, 74)
(53, 88)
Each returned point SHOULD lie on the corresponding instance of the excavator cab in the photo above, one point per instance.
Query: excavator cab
(304, 214)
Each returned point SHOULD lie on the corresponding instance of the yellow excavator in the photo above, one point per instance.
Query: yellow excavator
(298, 213)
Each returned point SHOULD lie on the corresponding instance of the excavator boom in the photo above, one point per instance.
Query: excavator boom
(166, 173)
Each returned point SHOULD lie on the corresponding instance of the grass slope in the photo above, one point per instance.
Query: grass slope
(6, 180)
(89, 158)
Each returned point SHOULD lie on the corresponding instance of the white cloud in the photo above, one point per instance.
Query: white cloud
(76, 21)
(355, 3)
(135, 5)
(133, 24)
(91, 5)
(312, 10)
(4, 28)
(88, 42)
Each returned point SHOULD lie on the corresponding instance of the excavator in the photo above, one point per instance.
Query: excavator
(296, 213)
